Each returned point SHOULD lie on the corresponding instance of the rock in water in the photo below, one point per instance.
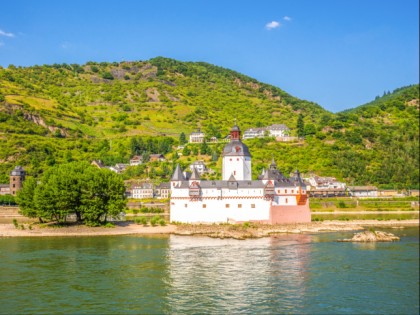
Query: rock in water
(372, 236)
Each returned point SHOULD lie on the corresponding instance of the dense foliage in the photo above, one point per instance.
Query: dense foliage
(90, 193)
(55, 114)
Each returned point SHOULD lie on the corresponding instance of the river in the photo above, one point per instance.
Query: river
(303, 274)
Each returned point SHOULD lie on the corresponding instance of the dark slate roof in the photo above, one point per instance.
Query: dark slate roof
(240, 184)
(297, 180)
(18, 171)
(235, 128)
(178, 176)
(236, 148)
(194, 175)
(164, 186)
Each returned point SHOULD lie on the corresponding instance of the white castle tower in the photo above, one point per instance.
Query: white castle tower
(236, 158)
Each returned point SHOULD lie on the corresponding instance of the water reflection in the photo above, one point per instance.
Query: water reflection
(210, 275)
(97, 275)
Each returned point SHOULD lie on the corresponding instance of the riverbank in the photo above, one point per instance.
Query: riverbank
(217, 231)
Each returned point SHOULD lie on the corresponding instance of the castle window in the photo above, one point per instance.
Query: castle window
(234, 172)
(239, 205)
(285, 191)
(13, 185)
(252, 205)
(237, 159)
(286, 200)
(186, 205)
(293, 191)
(227, 205)
(204, 205)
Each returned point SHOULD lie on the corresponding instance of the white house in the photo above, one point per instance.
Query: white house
(199, 166)
(278, 130)
(142, 191)
(363, 191)
(197, 137)
(275, 130)
(163, 191)
(136, 160)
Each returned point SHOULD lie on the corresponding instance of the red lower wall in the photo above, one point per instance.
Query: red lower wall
(290, 214)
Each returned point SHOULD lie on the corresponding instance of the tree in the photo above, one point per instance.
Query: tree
(103, 196)
(182, 138)
(310, 129)
(300, 126)
(90, 193)
(186, 151)
(204, 147)
(25, 199)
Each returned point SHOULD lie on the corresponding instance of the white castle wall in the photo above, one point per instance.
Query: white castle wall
(239, 166)
(219, 211)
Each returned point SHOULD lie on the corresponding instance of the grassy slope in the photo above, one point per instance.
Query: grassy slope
(374, 144)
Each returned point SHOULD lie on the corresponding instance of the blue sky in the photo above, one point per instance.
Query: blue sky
(337, 53)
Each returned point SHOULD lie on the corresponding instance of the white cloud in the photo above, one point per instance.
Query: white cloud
(272, 25)
(287, 18)
(3, 33)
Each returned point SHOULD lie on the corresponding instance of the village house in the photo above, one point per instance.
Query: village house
(136, 160)
(118, 168)
(363, 191)
(157, 157)
(275, 130)
(390, 193)
(318, 182)
(4, 189)
(98, 164)
(197, 137)
(199, 166)
(325, 187)
(142, 191)
(163, 191)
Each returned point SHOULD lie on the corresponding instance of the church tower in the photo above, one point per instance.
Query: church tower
(236, 158)
(17, 176)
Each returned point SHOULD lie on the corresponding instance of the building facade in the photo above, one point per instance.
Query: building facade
(142, 191)
(275, 130)
(272, 198)
(197, 137)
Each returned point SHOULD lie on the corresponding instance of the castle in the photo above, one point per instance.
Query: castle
(272, 199)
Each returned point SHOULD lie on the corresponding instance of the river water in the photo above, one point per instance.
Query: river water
(293, 274)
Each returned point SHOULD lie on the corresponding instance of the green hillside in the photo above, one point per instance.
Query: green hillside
(55, 113)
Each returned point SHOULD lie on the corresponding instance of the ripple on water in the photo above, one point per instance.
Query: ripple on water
(283, 274)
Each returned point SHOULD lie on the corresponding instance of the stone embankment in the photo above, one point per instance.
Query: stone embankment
(372, 236)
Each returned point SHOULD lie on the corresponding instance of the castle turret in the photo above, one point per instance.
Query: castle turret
(236, 157)
(17, 176)
(177, 176)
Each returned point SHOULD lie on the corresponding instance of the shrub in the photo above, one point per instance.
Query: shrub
(155, 220)
(15, 223)
(342, 204)
(141, 220)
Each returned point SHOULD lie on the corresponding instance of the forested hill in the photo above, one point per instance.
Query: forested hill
(55, 113)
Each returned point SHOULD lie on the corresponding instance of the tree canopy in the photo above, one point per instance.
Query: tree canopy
(78, 188)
